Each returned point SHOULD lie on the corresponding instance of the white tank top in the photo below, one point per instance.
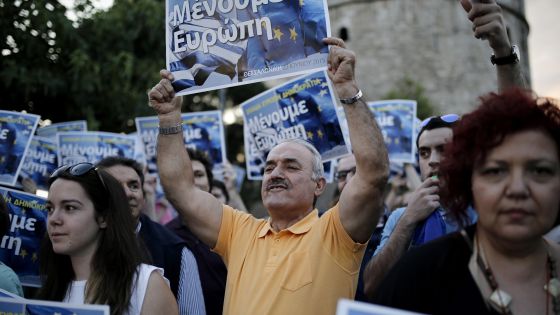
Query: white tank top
(76, 292)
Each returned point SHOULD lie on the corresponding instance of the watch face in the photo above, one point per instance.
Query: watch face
(515, 50)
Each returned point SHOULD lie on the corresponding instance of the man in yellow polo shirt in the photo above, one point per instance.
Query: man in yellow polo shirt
(294, 262)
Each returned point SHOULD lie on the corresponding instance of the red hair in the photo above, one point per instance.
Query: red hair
(478, 132)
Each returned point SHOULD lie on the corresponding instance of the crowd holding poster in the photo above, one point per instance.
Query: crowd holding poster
(212, 44)
(40, 161)
(202, 131)
(16, 131)
(39, 307)
(51, 130)
(397, 121)
(303, 108)
(89, 146)
(19, 248)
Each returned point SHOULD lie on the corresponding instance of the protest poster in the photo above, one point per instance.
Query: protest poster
(6, 294)
(202, 131)
(40, 307)
(40, 161)
(19, 248)
(89, 146)
(397, 121)
(51, 130)
(303, 108)
(350, 307)
(16, 131)
(213, 44)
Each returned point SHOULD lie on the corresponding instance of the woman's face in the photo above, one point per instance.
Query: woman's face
(516, 190)
(71, 224)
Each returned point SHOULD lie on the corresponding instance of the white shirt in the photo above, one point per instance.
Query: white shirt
(76, 291)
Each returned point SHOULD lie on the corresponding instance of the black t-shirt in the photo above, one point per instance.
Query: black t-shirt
(434, 279)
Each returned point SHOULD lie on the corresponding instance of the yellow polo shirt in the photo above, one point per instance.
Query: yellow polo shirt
(304, 269)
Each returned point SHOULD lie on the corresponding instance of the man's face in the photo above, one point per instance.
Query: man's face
(200, 176)
(132, 186)
(430, 148)
(287, 181)
(345, 170)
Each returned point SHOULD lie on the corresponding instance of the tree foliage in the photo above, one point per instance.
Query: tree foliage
(409, 89)
(97, 67)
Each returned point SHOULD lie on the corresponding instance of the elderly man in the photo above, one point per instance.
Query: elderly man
(294, 262)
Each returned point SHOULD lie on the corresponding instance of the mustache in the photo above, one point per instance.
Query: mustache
(276, 182)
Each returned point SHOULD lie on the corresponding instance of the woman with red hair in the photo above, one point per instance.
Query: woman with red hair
(504, 160)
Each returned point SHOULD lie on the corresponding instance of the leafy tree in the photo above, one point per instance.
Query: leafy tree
(409, 89)
(98, 67)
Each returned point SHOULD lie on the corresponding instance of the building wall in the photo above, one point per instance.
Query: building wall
(429, 41)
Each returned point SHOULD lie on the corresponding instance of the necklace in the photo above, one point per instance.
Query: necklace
(501, 301)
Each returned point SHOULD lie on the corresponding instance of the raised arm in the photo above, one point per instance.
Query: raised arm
(361, 201)
(398, 233)
(200, 211)
(488, 24)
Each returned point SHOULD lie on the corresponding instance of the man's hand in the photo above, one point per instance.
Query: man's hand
(488, 24)
(341, 63)
(162, 96)
(422, 202)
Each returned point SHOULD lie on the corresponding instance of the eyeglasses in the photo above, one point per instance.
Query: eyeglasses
(449, 119)
(341, 175)
(77, 170)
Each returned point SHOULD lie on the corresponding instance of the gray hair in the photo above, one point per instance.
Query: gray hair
(317, 171)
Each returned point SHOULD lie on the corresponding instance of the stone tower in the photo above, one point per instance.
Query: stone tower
(428, 41)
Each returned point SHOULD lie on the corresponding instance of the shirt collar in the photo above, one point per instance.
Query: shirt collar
(301, 227)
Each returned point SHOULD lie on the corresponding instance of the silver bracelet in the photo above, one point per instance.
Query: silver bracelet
(353, 99)
(171, 130)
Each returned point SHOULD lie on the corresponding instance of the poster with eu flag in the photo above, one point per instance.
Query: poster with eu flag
(303, 108)
(89, 146)
(51, 130)
(19, 248)
(396, 119)
(16, 131)
(40, 307)
(202, 131)
(41, 159)
(212, 44)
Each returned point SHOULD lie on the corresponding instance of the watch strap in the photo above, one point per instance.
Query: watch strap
(352, 99)
(171, 130)
(512, 58)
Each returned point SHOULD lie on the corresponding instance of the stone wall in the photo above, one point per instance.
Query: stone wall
(429, 41)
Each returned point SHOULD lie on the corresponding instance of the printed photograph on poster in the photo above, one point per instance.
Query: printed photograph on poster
(202, 131)
(51, 130)
(41, 159)
(91, 146)
(19, 248)
(214, 44)
(16, 131)
(303, 108)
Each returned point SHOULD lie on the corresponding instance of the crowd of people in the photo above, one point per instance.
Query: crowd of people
(464, 236)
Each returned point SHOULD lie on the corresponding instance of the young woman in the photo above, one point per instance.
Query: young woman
(91, 253)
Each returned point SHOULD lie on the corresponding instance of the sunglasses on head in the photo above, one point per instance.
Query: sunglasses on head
(76, 170)
(449, 119)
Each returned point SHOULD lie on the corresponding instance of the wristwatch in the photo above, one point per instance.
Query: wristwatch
(171, 130)
(353, 99)
(512, 58)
